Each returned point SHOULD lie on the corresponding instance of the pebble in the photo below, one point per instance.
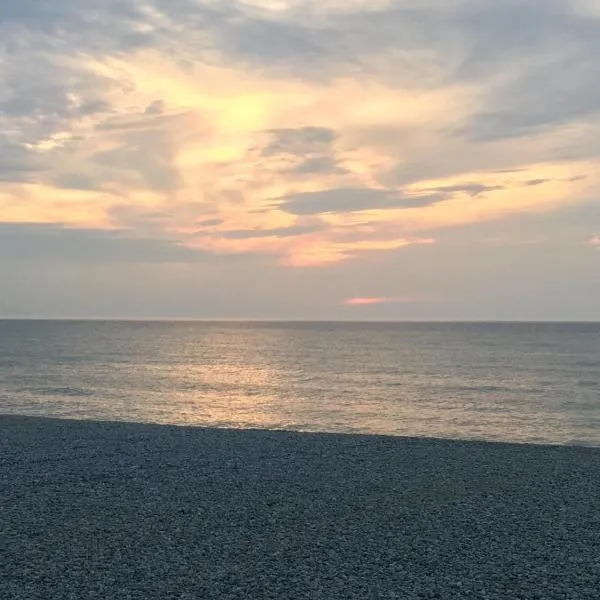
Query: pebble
(130, 511)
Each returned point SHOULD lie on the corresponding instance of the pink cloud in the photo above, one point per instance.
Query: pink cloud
(379, 300)
(595, 241)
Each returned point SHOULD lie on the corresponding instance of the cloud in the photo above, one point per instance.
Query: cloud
(155, 108)
(304, 151)
(367, 301)
(280, 232)
(76, 181)
(472, 189)
(532, 182)
(210, 222)
(344, 200)
(17, 162)
(595, 240)
(534, 85)
(214, 128)
(147, 155)
(318, 165)
(299, 141)
(48, 243)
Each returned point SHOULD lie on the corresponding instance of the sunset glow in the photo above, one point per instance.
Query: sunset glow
(368, 301)
(304, 138)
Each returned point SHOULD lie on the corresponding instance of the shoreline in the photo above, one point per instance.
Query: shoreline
(536, 442)
(126, 510)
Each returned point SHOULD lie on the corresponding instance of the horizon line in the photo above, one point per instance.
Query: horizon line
(292, 320)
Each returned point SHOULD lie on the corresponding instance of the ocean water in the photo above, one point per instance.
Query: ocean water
(526, 382)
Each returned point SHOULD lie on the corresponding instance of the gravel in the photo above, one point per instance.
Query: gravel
(128, 511)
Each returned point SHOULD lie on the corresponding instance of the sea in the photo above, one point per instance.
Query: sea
(515, 382)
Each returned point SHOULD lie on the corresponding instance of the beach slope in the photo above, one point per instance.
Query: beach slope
(128, 511)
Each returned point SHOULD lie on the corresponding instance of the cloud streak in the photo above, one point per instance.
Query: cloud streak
(369, 301)
(346, 200)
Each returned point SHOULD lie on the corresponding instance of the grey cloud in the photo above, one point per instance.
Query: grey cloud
(256, 39)
(242, 234)
(547, 47)
(496, 34)
(131, 217)
(319, 46)
(148, 154)
(565, 225)
(472, 189)
(148, 121)
(318, 164)
(86, 24)
(210, 222)
(167, 217)
(314, 145)
(17, 162)
(125, 125)
(534, 182)
(452, 39)
(47, 100)
(550, 50)
(44, 87)
(300, 141)
(520, 117)
(410, 45)
(117, 27)
(443, 157)
(155, 108)
(45, 242)
(56, 100)
(76, 181)
(344, 200)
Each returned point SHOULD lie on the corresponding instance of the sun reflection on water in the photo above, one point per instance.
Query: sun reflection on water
(388, 379)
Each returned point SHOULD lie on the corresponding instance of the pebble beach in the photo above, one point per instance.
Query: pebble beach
(130, 511)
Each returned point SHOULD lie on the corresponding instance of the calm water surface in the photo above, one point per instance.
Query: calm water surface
(514, 382)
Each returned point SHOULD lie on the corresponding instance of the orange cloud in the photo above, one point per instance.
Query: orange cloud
(173, 153)
(379, 300)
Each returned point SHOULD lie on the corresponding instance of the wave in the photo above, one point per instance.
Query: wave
(63, 391)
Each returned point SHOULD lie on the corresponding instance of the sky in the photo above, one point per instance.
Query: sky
(300, 159)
